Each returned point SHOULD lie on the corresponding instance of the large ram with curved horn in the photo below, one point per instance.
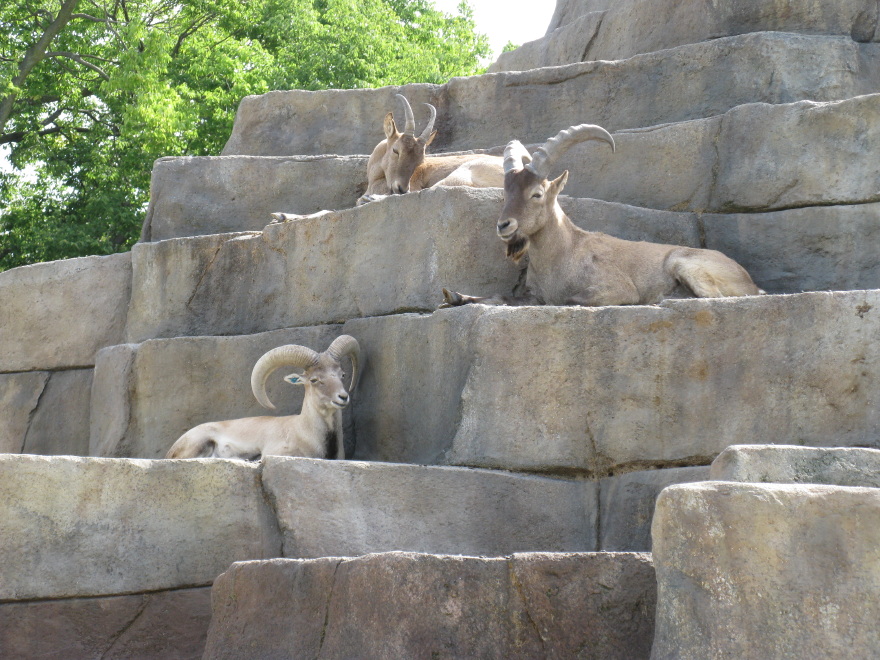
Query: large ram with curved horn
(399, 163)
(570, 266)
(315, 433)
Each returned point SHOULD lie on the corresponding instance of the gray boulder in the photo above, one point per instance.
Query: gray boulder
(333, 508)
(767, 571)
(837, 466)
(403, 605)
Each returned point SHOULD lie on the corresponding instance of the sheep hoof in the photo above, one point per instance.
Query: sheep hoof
(451, 299)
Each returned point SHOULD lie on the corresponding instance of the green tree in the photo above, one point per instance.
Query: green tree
(92, 91)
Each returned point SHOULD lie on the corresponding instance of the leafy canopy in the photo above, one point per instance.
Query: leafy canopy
(93, 91)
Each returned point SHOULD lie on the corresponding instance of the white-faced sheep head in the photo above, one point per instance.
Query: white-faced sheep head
(405, 152)
(322, 374)
(529, 195)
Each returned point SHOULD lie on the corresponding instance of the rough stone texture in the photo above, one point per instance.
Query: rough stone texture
(44, 306)
(626, 28)
(761, 170)
(690, 82)
(568, 10)
(565, 45)
(835, 466)
(808, 249)
(60, 423)
(151, 393)
(321, 270)
(169, 624)
(115, 526)
(404, 605)
(19, 396)
(767, 571)
(333, 508)
(755, 157)
(248, 283)
(549, 388)
(210, 195)
(626, 505)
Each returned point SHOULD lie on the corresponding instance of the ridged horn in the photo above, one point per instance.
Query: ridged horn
(346, 345)
(515, 154)
(410, 128)
(430, 127)
(290, 355)
(553, 148)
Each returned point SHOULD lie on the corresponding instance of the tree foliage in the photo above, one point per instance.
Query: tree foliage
(92, 91)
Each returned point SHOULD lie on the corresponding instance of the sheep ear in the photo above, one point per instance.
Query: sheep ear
(389, 125)
(559, 183)
(295, 379)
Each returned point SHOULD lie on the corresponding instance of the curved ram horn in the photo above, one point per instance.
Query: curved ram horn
(346, 345)
(515, 154)
(430, 127)
(410, 128)
(553, 148)
(290, 355)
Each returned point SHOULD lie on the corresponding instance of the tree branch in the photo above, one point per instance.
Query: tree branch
(76, 57)
(35, 55)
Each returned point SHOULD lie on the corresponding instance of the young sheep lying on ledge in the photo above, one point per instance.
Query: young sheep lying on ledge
(315, 433)
(570, 266)
(399, 165)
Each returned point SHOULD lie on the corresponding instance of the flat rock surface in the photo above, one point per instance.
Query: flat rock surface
(767, 571)
(193, 196)
(690, 82)
(404, 605)
(44, 306)
(626, 505)
(93, 526)
(333, 508)
(837, 466)
(170, 625)
(543, 388)
(324, 269)
(625, 28)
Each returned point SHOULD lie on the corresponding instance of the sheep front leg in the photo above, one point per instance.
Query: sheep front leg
(455, 299)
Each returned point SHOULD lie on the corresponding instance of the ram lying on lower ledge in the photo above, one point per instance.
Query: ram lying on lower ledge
(315, 433)
(570, 266)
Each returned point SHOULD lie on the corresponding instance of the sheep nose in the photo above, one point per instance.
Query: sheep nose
(343, 397)
(503, 224)
(399, 190)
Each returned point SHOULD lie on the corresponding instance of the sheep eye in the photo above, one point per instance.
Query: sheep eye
(537, 195)
(395, 152)
(313, 381)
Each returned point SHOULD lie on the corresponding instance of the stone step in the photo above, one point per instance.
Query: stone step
(94, 527)
(835, 466)
(690, 82)
(87, 527)
(748, 570)
(396, 255)
(163, 624)
(45, 412)
(754, 158)
(44, 306)
(614, 388)
(404, 605)
(622, 29)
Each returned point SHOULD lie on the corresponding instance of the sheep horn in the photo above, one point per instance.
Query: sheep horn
(553, 148)
(430, 127)
(410, 128)
(346, 345)
(290, 355)
(514, 155)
